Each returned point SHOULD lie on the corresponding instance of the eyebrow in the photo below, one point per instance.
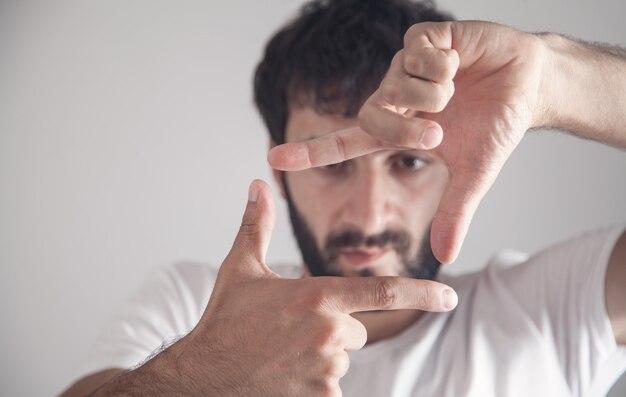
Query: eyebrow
(313, 136)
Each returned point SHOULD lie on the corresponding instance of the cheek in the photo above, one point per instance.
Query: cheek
(312, 201)
(421, 196)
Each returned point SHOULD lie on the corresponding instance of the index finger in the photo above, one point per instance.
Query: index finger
(332, 148)
(358, 294)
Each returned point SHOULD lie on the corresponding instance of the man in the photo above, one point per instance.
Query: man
(440, 108)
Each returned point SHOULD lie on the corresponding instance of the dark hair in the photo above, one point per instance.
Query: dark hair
(333, 56)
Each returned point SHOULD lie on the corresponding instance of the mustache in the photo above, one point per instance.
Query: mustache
(399, 240)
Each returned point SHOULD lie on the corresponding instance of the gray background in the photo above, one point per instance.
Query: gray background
(128, 139)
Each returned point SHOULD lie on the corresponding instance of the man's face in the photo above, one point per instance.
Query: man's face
(369, 216)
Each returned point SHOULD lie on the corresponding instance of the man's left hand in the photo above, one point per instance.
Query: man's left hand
(468, 91)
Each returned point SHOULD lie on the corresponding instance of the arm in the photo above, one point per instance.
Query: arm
(586, 95)
(89, 384)
(561, 290)
(584, 90)
(163, 375)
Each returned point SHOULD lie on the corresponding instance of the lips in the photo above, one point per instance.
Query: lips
(363, 257)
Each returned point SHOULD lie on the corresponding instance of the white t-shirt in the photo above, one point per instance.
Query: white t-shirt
(524, 326)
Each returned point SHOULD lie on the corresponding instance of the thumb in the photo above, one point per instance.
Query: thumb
(456, 209)
(247, 256)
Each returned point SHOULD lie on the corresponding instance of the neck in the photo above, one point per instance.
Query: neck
(386, 324)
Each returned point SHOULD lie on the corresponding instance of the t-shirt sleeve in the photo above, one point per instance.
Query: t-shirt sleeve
(168, 306)
(563, 291)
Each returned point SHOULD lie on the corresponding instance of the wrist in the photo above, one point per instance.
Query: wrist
(186, 367)
(201, 368)
(549, 102)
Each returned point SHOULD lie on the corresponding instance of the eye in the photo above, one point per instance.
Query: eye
(408, 163)
(334, 168)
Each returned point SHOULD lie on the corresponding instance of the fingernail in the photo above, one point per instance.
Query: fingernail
(449, 299)
(430, 138)
(253, 192)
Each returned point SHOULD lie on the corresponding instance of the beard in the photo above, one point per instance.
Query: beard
(320, 262)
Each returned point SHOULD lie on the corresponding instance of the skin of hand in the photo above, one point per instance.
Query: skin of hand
(262, 335)
(468, 91)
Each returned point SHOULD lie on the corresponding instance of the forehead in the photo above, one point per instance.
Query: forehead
(305, 123)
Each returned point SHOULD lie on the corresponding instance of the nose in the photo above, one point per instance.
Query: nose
(368, 207)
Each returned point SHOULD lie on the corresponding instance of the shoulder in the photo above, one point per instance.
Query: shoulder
(200, 277)
(188, 275)
(202, 271)
(570, 271)
(580, 256)
(586, 247)
(465, 283)
(511, 271)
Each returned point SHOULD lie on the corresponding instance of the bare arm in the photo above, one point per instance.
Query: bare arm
(588, 98)
(166, 374)
(585, 90)
(89, 384)
(162, 375)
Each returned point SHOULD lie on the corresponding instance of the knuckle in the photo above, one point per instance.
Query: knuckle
(328, 334)
(439, 66)
(361, 334)
(318, 299)
(434, 65)
(440, 98)
(329, 388)
(407, 136)
(451, 88)
(340, 146)
(363, 116)
(454, 60)
(411, 33)
(448, 69)
(413, 64)
(333, 368)
(339, 366)
(408, 140)
(386, 293)
(367, 114)
(389, 91)
(248, 229)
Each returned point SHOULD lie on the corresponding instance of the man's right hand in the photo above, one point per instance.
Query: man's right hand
(262, 335)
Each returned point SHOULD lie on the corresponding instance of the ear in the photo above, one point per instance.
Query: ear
(276, 173)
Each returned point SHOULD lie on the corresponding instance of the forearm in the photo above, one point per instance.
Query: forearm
(154, 378)
(583, 90)
(166, 374)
